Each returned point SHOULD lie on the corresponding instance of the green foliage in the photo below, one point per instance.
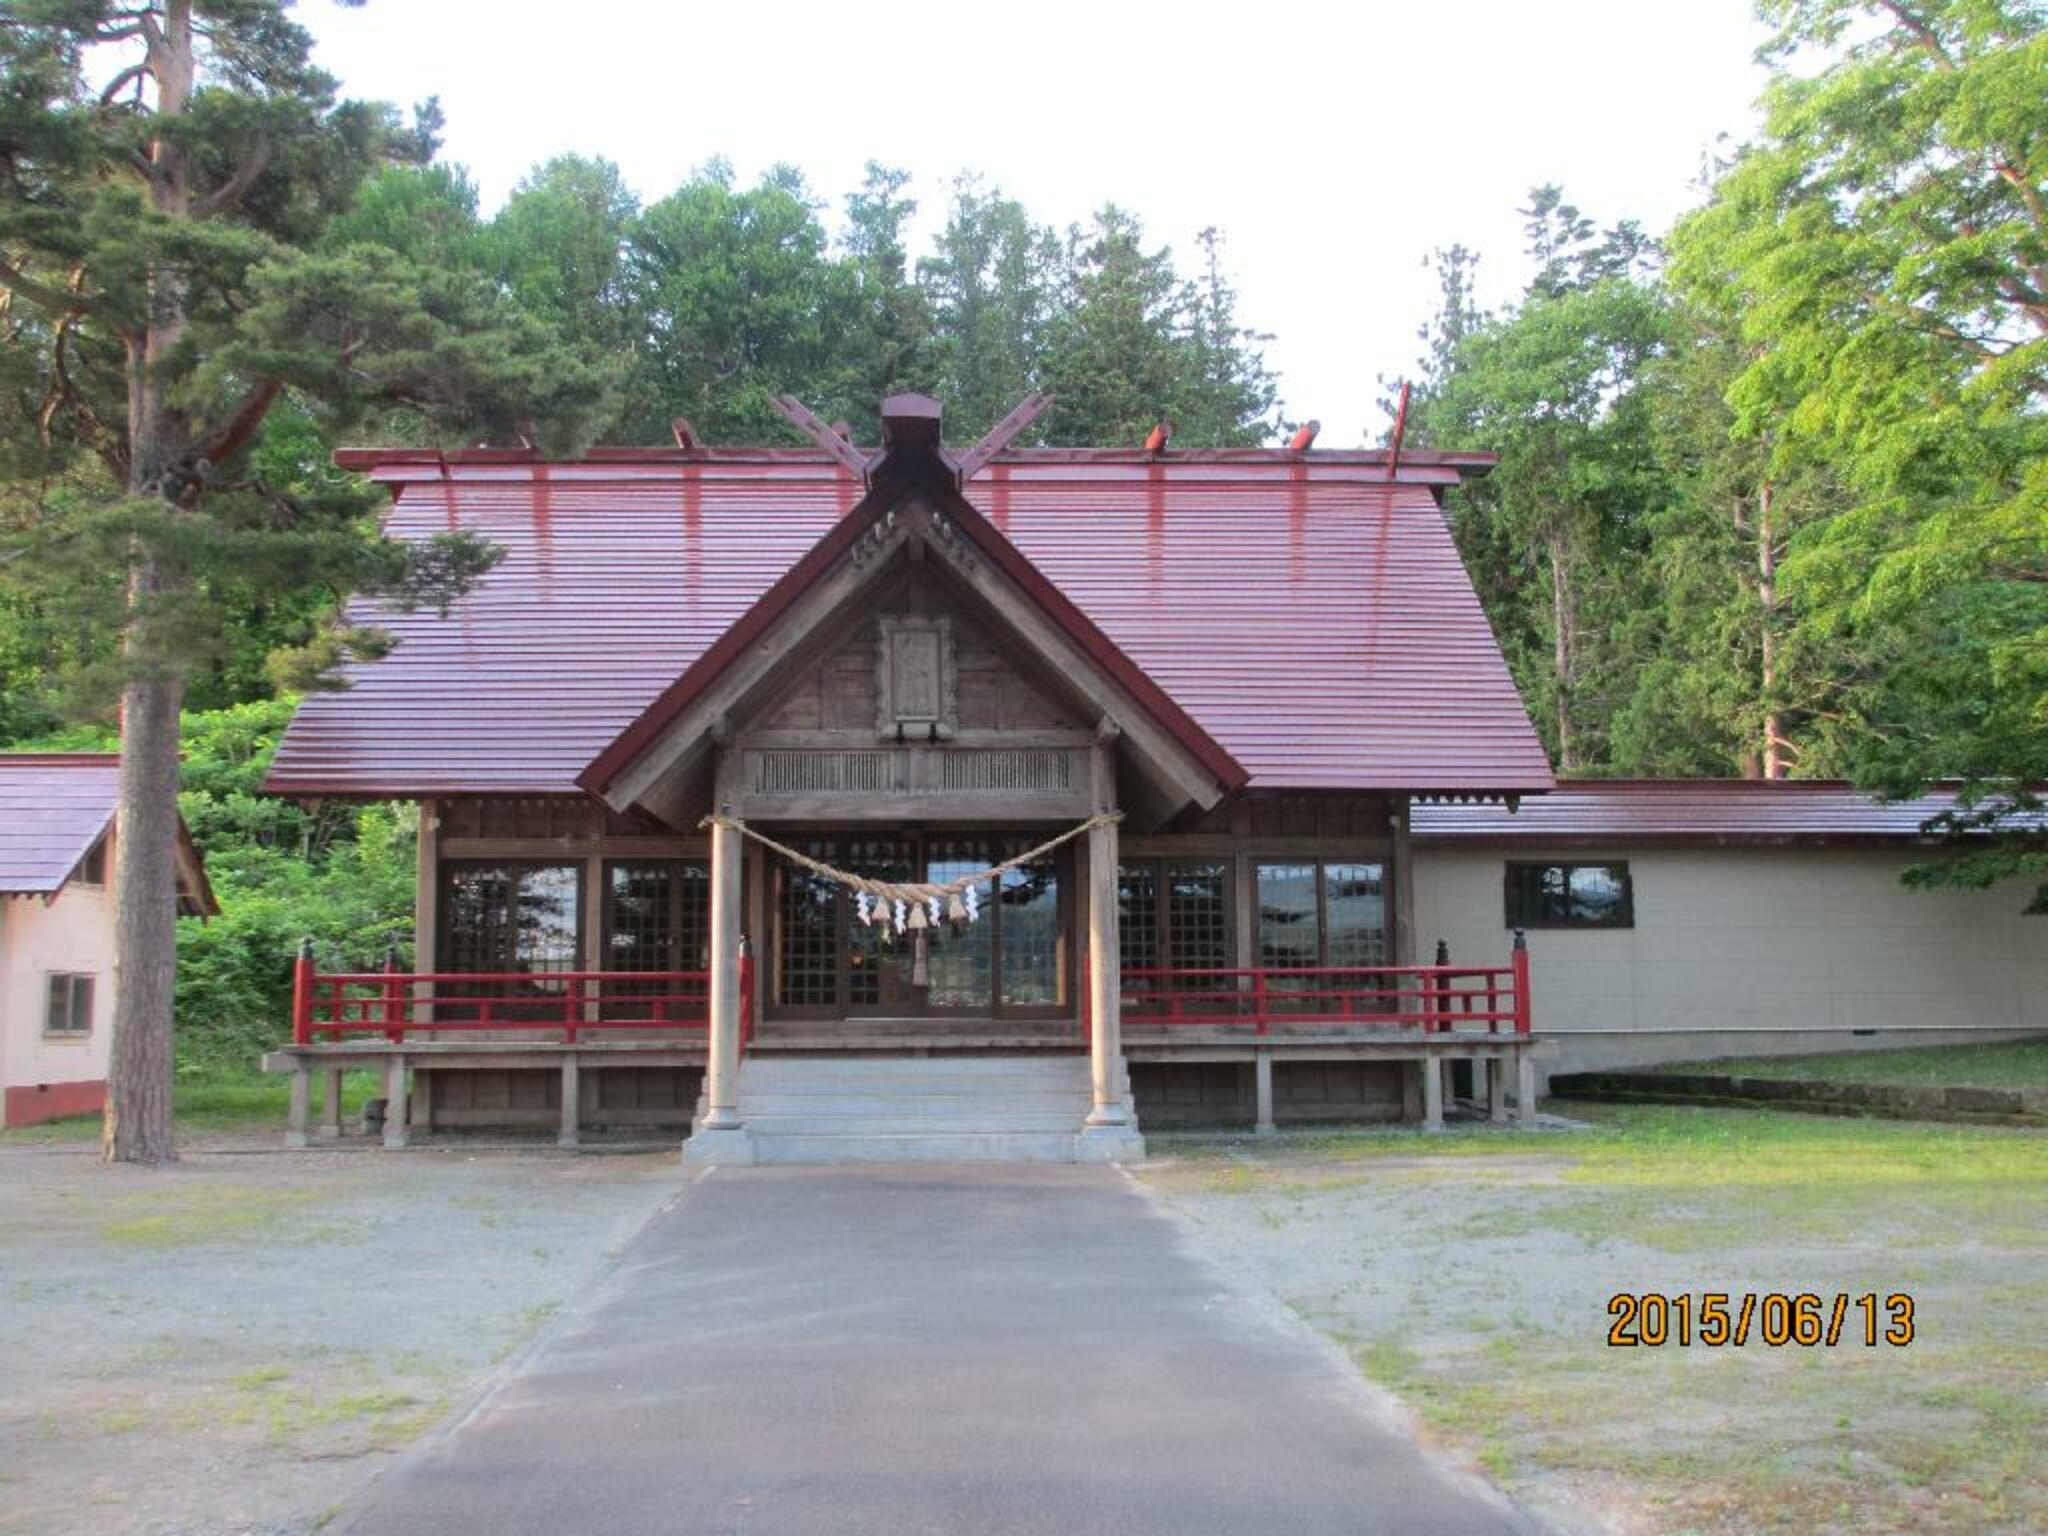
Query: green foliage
(1783, 508)
(1555, 535)
(186, 203)
(1881, 252)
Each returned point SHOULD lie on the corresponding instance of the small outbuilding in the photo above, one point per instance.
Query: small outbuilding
(58, 847)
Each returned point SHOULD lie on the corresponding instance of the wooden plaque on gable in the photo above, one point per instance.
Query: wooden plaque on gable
(916, 693)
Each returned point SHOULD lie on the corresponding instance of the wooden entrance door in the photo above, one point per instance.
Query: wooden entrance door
(1014, 962)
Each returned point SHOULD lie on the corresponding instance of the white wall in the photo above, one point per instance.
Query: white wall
(1735, 939)
(75, 932)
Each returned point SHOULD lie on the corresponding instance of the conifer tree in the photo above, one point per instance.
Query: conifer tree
(172, 179)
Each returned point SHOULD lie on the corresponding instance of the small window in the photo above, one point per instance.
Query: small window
(1570, 896)
(70, 1006)
(92, 869)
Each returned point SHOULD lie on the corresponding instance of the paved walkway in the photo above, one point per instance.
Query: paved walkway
(953, 1351)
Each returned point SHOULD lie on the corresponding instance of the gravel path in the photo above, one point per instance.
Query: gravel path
(237, 1343)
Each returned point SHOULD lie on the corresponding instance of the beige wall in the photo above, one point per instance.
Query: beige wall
(75, 932)
(1740, 939)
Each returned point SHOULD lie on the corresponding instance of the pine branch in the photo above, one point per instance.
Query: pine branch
(56, 301)
(244, 423)
(129, 76)
(231, 191)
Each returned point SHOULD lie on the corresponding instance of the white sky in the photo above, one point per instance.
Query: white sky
(1333, 145)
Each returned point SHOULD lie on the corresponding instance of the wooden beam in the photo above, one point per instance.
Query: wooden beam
(1004, 432)
(807, 421)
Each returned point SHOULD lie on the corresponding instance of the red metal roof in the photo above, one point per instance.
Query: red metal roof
(1620, 811)
(838, 539)
(1308, 613)
(53, 807)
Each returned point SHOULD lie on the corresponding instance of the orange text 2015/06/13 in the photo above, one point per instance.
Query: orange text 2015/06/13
(1723, 1319)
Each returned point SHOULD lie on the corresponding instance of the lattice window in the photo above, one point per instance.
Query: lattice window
(657, 918)
(1290, 932)
(1355, 914)
(1137, 915)
(867, 957)
(1028, 933)
(1198, 918)
(510, 917)
(961, 965)
(807, 934)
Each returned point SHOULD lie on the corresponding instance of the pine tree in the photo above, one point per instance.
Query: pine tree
(989, 284)
(173, 173)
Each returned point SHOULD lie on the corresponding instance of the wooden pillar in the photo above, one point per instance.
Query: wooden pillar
(295, 1117)
(426, 909)
(1497, 1090)
(593, 929)
(1105, 986)
(720, 1134)
(330, 1103)
(397, 1132)
(1262, 1087)
(1402, 875)
(1432, 1094)
(722, 1061)
(1525, 1087)
(571, 1104)
(1105, 982)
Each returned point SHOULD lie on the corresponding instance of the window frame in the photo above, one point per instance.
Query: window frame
(91, 873)
(72, 984)
(450, 869)
(1161, 868)
(677, 907)
(1321, 866)
(1516, 916)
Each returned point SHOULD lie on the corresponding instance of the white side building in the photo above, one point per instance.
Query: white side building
(57, 974)
(1682, 919)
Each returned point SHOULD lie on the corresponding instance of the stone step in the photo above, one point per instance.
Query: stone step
(921, 1068)
(884, 1121)
(919, 1147)
(838, 1109)
(841, 1102)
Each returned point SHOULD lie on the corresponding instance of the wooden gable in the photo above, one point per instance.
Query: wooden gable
(990, 692)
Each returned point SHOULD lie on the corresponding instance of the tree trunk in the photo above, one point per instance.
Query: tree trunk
(138, 1122)
(1563, 656)
(138, 1127)
(1767, 603)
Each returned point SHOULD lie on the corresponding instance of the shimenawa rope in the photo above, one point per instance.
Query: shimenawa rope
(914, 903)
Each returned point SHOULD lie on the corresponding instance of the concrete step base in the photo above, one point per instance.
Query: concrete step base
(837, 1109)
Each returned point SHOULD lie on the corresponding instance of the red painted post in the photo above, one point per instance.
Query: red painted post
(1259, 999)
(302, 994)
(1440, 987)
(572, 1008)
(1521, 982)
(394, 1011)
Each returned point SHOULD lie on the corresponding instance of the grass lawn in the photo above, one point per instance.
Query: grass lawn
(219, 1104)
(1470, 1274)
(2020, 1064)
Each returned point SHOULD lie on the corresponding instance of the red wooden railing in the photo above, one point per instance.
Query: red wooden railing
(404, 1004)
(1492, 999)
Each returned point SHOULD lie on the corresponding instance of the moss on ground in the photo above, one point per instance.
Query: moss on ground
(2019, 1064)
(1469, 1274)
